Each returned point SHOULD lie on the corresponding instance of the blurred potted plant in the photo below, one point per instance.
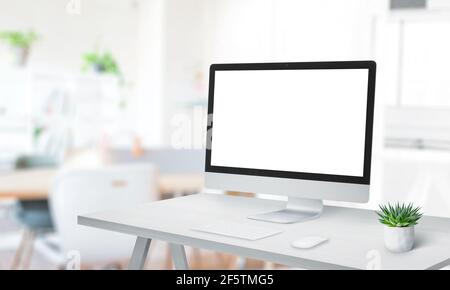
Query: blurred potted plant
(399, 221)
(21, 42)
(103, 63)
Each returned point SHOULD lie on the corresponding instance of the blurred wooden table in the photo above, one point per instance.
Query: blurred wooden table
(34, 184)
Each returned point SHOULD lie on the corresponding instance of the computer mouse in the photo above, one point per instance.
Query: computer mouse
(308, 242)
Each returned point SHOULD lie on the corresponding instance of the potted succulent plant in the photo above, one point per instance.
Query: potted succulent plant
(399, 221)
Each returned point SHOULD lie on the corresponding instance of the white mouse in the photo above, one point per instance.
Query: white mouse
(308, 242)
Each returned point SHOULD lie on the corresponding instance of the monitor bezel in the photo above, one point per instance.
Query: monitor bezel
(365, 179)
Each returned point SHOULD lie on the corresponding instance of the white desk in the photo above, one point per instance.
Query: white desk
(356, 237)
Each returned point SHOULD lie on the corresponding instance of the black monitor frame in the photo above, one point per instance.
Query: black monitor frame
(365, 179)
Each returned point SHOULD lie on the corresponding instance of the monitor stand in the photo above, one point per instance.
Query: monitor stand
(297, 210)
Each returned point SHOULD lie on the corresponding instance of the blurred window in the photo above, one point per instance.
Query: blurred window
(426, 63)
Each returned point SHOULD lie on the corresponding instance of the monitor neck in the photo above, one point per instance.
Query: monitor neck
(296, 210)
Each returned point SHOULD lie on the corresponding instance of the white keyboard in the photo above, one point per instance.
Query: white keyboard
(240, 230)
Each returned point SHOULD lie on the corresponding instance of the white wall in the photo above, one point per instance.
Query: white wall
(290, 30)
(184, 58)
(149, 106)
(323, 29)
(101, 24)
(239, 31)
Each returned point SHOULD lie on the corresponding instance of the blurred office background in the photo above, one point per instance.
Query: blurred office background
(92, 90)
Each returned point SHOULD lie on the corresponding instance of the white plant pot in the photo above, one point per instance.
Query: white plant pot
(20, 56)
(399, 240)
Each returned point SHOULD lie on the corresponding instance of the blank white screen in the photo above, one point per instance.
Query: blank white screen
(291, 120)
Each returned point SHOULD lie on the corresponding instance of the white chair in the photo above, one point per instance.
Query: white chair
(77, 191)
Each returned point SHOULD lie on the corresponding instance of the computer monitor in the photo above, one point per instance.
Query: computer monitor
(302, 130)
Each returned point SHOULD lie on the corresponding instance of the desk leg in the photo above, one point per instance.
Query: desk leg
(179, 257)
(139, 253)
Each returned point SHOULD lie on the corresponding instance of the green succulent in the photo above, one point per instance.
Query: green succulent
(399, 215)
(19, 39)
